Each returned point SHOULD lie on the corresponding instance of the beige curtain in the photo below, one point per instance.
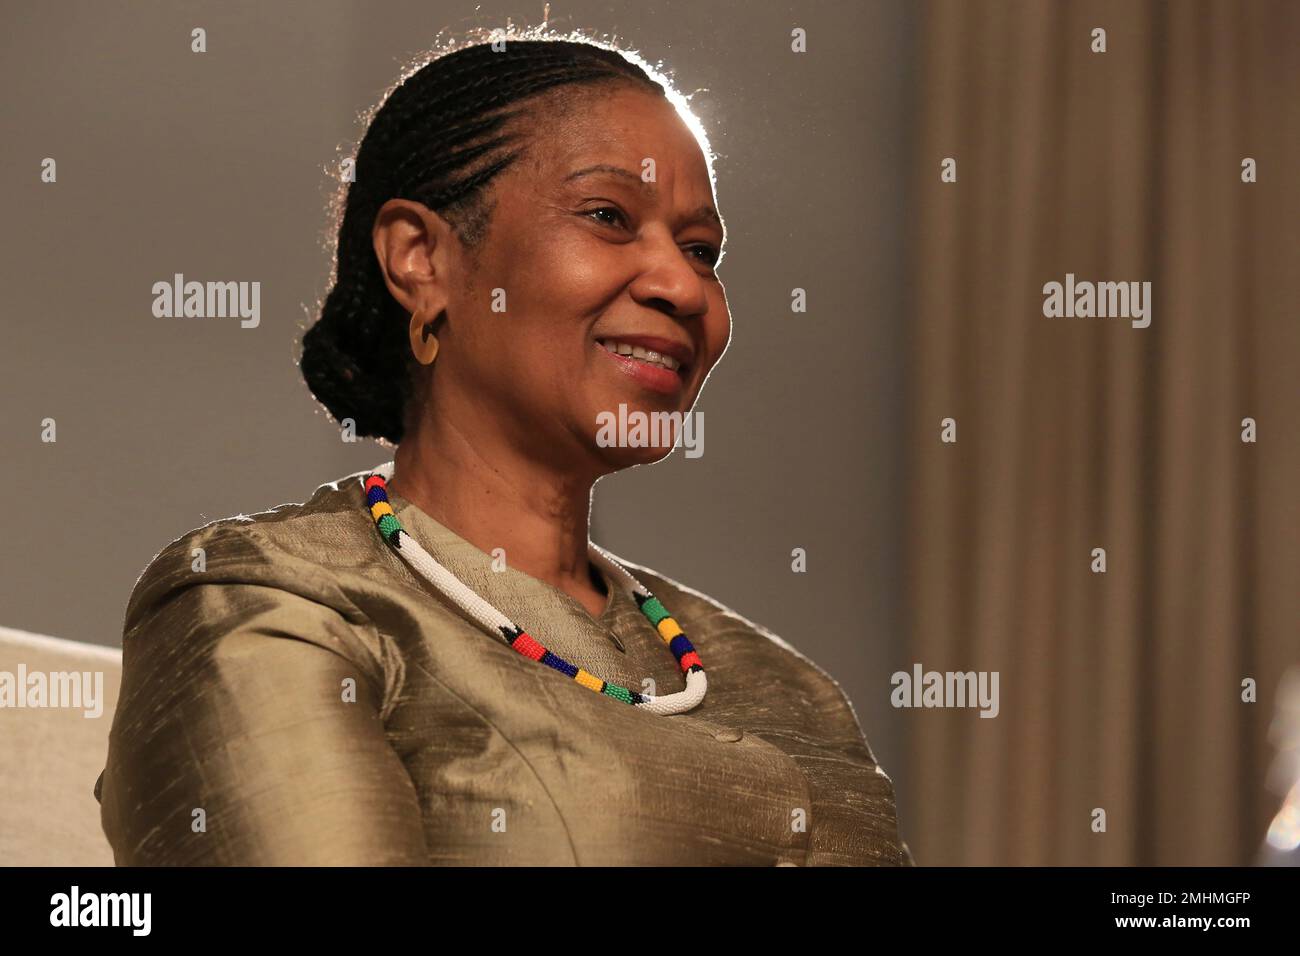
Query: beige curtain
(1120, 691)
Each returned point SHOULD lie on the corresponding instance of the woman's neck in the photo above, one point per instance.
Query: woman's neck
(494, 496)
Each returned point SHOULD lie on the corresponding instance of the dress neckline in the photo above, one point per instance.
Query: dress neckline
(474, 566)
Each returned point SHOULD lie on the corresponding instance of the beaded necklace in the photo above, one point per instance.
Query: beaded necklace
(400, 540)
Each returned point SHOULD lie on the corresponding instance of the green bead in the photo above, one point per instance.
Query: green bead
(653, 610)
(622, 693)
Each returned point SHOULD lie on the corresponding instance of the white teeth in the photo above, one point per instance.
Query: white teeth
(643, 354)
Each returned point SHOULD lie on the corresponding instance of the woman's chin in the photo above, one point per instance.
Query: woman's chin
(636, 431)
(619, 457)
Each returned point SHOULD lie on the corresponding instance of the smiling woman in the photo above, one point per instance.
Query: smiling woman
(430, 661)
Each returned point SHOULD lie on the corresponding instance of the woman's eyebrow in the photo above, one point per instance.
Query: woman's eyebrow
(703, 213)
(615, 170)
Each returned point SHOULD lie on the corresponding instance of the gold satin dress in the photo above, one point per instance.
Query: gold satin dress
(304, 698)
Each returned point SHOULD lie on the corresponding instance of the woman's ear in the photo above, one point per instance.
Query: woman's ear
(411, 243)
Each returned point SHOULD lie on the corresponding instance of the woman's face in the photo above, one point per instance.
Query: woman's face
(583, 253)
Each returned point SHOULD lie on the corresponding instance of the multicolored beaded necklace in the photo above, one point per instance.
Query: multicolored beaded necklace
(400, 540)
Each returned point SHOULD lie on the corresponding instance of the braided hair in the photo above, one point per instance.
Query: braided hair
(439, 138)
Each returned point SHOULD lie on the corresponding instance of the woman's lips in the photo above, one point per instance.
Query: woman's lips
(654, 377)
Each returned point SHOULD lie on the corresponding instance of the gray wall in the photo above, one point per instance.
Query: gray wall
(214, 165)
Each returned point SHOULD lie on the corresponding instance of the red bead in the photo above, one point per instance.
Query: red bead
(525, 645)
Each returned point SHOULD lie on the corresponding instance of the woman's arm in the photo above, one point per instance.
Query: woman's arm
(248, 733)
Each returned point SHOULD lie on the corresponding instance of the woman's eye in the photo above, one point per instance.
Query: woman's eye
(710, 255)
(615, 215)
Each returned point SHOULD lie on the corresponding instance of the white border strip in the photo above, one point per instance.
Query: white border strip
(58, 645)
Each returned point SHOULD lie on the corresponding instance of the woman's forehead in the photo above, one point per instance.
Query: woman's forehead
(618, 129)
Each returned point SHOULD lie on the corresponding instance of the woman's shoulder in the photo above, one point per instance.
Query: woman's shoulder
(290, 547)
(240, 653)
(234, 588)
(245, 588)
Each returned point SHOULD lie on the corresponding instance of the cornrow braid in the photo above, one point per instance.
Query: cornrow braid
(439, 138)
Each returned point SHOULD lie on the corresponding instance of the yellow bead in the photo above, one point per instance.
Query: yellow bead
(668, 629)
(588, 680)
(380, 508)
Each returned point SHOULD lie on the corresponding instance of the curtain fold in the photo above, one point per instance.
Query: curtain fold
(1118, 690)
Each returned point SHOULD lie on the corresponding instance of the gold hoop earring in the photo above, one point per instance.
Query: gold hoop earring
(423, 342)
